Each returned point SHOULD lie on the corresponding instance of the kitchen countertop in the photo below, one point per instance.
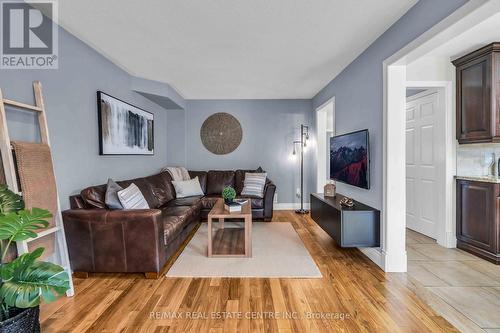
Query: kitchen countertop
(486, 179)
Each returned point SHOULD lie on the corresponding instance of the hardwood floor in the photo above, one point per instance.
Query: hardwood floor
(354, 295)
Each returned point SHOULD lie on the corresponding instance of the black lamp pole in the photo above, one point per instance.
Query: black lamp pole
(304, 136)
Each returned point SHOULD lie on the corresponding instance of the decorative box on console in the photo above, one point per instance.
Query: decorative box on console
(330, 189)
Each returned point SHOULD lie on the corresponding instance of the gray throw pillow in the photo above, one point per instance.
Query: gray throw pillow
(111, 197)
(254, 184)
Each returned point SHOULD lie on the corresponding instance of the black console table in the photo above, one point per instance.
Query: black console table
(358, 226)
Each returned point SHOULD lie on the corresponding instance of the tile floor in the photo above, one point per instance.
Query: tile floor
(463, 288)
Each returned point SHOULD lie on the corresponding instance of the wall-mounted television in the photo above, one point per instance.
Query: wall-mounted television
(350, 158)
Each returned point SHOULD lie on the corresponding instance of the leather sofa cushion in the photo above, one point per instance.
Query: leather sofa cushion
(202, 177)
(94, 196)
(172, 227)
(162, 188)
(257, 203)
(218, 179)
(146, 190)
(182, 212)
(188, 201)
(207, 202)
(76, 202)
(157, 190)
(239, 178)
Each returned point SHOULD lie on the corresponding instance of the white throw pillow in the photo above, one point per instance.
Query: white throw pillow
(254, 184)
(132, 198)
(187, 188)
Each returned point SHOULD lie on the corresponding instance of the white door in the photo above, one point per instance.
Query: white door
(424, 162)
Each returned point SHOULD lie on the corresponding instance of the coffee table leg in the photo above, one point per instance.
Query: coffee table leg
(221, 223)
(209, 249)
(248, 237)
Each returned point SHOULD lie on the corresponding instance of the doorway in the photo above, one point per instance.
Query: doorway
(425, 162)
(325, 127)
(460, 29)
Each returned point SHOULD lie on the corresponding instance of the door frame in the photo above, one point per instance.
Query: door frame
(445, 227)
(317, 110)
(392, 257)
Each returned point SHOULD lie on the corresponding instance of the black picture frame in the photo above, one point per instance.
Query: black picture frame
(102, 149)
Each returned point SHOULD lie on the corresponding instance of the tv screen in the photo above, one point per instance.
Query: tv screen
(349, 159)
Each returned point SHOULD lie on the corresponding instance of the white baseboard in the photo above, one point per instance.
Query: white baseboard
(394, 262)
(290, 206)
(386, 262)
(374, 254)
(450, 240)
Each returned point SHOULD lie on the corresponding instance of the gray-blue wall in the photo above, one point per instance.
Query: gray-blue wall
(358, 90)
(269, 128)
(176, 137)
(70, 100)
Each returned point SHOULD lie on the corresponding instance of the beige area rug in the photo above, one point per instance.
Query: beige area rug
(277, 249)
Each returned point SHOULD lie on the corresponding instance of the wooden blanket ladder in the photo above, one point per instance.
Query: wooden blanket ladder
(11, 174)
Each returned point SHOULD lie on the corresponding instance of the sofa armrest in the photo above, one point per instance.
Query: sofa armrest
(269, 190)
(101, 240)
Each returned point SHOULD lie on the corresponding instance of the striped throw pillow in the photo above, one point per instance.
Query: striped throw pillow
(254, 184)
(132, 198)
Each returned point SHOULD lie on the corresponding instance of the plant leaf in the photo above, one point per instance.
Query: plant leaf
(29, 281)
(8, 270)
(23, 224)
(9, 201)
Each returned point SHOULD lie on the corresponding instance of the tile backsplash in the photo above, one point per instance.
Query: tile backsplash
(475, 159)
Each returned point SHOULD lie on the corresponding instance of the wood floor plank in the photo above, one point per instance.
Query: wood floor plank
(82, 305)
(244, 306)
(257, 323)
(80, 286)
(354, 295)
(279, 305)
(130, 301)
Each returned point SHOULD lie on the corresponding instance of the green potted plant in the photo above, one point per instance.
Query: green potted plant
(228, 193)
(24, 281)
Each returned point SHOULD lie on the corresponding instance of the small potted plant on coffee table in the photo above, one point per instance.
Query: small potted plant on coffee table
(24, 281)
(228, 194)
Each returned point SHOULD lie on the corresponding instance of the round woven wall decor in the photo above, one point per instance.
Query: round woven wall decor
(221, 133)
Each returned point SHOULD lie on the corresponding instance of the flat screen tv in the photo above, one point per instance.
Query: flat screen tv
(350, 158)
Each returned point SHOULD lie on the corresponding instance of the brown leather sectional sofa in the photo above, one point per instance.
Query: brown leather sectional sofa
(104, 240)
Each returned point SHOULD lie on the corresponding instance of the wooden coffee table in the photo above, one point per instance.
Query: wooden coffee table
(230, 242)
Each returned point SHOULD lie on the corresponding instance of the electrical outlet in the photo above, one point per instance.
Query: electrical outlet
(297, 193)
(275, 198)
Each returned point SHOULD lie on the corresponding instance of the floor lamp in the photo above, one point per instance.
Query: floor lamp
(304, 136)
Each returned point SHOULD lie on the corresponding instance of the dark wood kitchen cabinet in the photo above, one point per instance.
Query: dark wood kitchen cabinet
(478, 219)
(478, 95)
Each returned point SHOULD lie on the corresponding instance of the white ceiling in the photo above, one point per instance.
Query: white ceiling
(232, 49)
(484, 33)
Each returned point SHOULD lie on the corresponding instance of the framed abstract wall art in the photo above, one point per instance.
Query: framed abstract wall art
(124, 129)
